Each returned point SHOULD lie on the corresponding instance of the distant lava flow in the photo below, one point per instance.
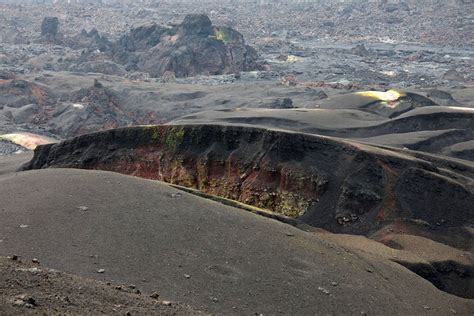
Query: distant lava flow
(325, 182)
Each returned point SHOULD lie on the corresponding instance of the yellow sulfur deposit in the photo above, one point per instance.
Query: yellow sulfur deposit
(388, 96)
(292, 58)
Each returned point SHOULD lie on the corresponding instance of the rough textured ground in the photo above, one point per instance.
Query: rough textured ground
(325, 182)
(28, 288)
(213, 257)
(357, 119)
(410, 20)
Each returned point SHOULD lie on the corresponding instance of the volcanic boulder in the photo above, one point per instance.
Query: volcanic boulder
(50, 26)
(195, 25)
(194, 47)
(127, 50)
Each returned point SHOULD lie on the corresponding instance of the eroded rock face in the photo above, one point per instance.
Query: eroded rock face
(361, 191)
(324, 182)
(191, 48)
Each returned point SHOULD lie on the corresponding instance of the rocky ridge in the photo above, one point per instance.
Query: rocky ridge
(368, 187)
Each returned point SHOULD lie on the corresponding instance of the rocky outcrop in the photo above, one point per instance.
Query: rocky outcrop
(193, 47)
(324, 182)
(91, 41)
(50, 26)
(127, 50)
(360, 50)
(38, 109)
(16, 93)
(95, 108)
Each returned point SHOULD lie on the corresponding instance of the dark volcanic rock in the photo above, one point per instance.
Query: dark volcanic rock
(195, 25)
(50, 26)
(143, 37)
(285, 103)
(361, 191)
(360, 50)
(139, 39)
(8, 148)
(191, 48)
(89, 41)
(341, 186)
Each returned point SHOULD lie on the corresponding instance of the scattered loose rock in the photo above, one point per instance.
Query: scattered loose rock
(324, 290)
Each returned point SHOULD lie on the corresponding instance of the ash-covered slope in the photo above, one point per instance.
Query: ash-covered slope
(392, 118)
(216, 258)
(324, 182)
